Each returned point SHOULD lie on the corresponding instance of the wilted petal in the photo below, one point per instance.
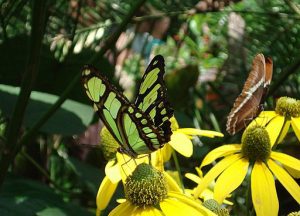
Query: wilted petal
(264, 196)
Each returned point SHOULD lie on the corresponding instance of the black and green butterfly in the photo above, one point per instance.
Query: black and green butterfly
(141, 127)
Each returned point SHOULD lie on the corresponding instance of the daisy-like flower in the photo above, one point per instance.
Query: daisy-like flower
(278, 122)
(147, 193)
(181, 139)
(253, 156)
(120, 166)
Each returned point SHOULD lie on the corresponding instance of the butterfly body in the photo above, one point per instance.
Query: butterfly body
(141, 127)
(249, 103)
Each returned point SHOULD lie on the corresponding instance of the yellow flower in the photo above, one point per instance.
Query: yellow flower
(207, 193)
(181, 139)
(120, 168)
(278, 122)
(255, 157)
(147, 193)
(173, 204)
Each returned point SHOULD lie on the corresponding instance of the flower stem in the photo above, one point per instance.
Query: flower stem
(45, 174)
(30, 73)
(249, 205)
(174, 155)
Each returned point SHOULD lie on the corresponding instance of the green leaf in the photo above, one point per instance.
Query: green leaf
(71, 118)
(27, 197)
(51, 211)
(90, 175)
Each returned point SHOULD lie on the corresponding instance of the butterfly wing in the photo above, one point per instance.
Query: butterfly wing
(247, 105)
(138, 129)
(131, 127)
(106, 98)
(152, 96)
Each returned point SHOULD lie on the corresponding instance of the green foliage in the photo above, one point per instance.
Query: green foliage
(207, 63)
(77, 115)
(26, 197)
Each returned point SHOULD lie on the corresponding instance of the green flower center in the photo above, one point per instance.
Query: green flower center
(256, 145)
(214, 206)
(146, 186)
(288, 107)
(109, 145)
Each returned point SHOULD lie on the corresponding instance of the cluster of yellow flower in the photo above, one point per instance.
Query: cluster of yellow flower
(150, 190)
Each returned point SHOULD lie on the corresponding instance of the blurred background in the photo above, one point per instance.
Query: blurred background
(208, 48)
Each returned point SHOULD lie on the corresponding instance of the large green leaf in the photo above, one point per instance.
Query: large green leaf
(71, 118)
(26, 197)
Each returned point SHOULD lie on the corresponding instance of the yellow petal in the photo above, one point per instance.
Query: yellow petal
(206, 194)
(284, 130)
(172, 207)
(147, 211)
(193, 177)
(274, 128)
(286, 180)
(157, 160)
(220, 152)
(179, 204)
(182, 144)
(191, 203)
(296, 126)
(294, 173)
(121, 200)
(230, 179)
(199, 171)
(264, 196)
(198, 132)
(125, 208)
(172, 184)
(263, 118)
(286, 160)
(166, 152)
(215, 171)
(127, 164)
(112, 171)
(105, 192)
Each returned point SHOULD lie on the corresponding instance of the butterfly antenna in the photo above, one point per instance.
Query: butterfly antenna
(134, 161)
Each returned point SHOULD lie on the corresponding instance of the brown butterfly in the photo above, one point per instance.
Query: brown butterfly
(249, 103)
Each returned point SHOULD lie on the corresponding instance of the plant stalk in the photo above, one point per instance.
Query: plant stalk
(29, 77)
